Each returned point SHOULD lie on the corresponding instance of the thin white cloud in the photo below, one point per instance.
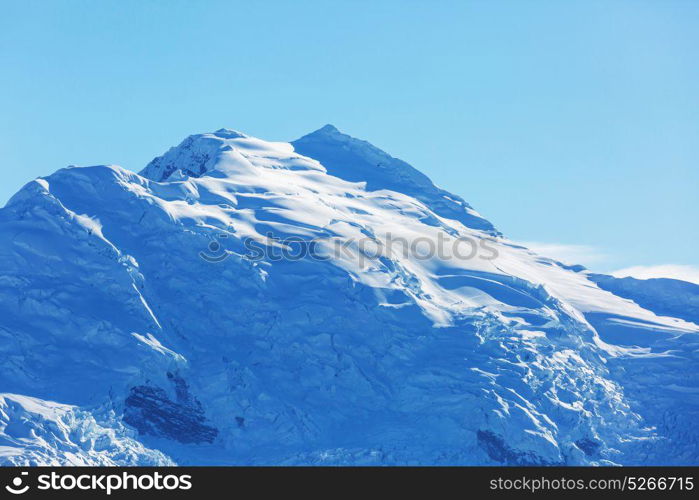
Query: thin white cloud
(675, 271)
(592, 257)
(586, 255)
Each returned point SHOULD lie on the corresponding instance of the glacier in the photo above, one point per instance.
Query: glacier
(137, 328)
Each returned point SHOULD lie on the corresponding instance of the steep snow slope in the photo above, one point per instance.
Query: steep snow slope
(669, 297)
(166, 298)
(358, 161)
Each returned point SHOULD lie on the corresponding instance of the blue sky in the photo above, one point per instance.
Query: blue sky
(571, 125)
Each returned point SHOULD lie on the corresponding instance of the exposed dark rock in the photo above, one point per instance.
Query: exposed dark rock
(588, 446)
(498, 450)
(150, 411)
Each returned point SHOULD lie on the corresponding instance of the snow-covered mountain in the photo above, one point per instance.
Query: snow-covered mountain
(249, 302)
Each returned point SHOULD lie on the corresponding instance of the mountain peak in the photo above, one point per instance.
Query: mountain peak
(356, 160)
(226, 151)
(328, 129)
(228, 133)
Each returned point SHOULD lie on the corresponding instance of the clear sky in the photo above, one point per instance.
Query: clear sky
(570, 125)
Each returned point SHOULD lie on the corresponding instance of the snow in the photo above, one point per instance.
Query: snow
(362, 357)
(39, 432)
(673, 271)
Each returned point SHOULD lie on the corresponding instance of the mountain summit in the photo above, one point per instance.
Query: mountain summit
(241, 301)
(358, 161)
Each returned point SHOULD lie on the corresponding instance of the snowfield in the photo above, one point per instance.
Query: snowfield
(136, 326)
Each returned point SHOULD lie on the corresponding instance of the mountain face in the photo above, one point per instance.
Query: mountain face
(319, 302)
